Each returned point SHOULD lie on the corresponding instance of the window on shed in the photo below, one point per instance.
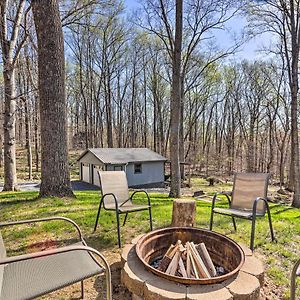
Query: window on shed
(118, 168)
(137, 168)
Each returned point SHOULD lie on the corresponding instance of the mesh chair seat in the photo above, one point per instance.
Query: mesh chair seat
(237, 212)
(127, 207)
(32, 278)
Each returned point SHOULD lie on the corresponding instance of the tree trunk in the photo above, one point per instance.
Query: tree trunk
(28, 139)
(10, 172)
(294, 86)
(10, 52)
(184, 213)
(175, 105)
(53, 113)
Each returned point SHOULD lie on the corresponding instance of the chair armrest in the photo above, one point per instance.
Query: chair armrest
(227, 194)
(114, 197)
(5, 224)
(141, 191)
(91, 251)
(255, 202)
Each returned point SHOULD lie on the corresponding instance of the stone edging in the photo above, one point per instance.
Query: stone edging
(145, 285)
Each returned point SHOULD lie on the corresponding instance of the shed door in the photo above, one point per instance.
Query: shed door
(96, 177)
(85, 172)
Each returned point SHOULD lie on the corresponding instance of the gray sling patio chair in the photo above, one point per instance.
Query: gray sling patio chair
(295, 273)
(248, 200)
(32, 275)
(115, 197)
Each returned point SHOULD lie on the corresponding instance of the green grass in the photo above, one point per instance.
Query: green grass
(279, 257)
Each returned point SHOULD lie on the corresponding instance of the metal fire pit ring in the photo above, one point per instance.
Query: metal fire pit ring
(224, 251)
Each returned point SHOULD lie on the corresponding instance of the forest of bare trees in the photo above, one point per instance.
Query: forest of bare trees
(119, 74)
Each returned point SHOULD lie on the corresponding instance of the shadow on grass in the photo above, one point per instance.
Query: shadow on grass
(18, 201)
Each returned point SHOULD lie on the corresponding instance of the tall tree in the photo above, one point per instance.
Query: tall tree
(175, 104)
(11, 45)
(55, 175)
(282, 18)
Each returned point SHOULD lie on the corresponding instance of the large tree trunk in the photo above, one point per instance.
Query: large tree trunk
(175, 105)
(53, 114)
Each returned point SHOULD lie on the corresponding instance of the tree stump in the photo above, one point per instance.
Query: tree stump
(184, 212)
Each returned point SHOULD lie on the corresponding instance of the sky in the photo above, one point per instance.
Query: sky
(251, 50)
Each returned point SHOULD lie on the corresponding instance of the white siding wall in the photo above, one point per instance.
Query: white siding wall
(152, 172)
(86, 173)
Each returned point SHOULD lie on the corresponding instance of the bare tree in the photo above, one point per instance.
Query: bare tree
(11, 45)
(282, 18)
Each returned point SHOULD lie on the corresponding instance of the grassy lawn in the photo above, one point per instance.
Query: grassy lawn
(279, 257)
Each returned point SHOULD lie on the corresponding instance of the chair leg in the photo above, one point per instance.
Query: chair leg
(270, 224)
(98, 214)
(118, 228)
(150, 217)
(252, 232)
(82, 290)
(234, 223)
(211, 220)
(125, 219)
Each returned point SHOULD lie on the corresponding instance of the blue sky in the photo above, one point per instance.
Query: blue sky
(250, 50)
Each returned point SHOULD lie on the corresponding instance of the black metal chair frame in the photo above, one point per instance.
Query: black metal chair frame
(70, 248)
(251, 218)
(119, 212)
(294, 275)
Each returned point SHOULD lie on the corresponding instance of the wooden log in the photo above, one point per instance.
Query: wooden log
(201, 268)
(201, 248)
(173, 264)
(164, 263)
(184, 212)
(188, 261)
(182, 268)
(169, 250)
(193, 266)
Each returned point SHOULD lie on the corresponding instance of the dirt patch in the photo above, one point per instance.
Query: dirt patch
(271, 291)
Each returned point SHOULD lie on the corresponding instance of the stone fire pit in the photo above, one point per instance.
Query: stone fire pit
(143, 284)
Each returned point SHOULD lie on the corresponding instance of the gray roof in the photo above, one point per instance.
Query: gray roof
(124, 155)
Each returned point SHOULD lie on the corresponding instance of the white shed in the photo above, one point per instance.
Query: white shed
(143, 167)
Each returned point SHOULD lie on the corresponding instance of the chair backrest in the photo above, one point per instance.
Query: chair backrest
(114, 182)
(247, 187)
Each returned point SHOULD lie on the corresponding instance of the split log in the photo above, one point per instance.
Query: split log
(193, 265)
(188, 261)
(171, 270)
(201, 268)
(184, 212)
(165, 262)
(206, 259)
(182, 268)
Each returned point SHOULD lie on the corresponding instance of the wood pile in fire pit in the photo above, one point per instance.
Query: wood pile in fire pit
(188, 261)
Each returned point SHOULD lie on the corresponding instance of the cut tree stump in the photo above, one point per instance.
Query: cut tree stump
(184, 212)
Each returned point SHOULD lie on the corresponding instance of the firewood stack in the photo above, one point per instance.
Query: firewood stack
(188, 261)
